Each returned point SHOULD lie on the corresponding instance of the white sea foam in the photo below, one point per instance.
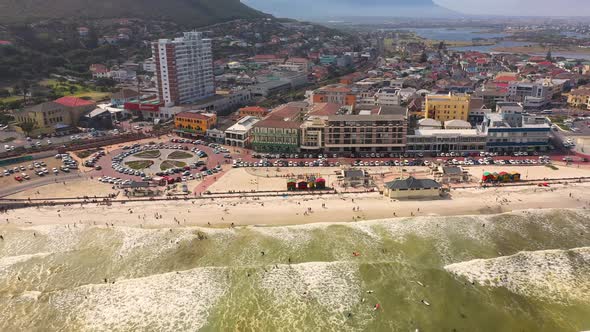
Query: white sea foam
(553, 275)
(292, 236)
(178, 301)
(7, 262)
(335, 286)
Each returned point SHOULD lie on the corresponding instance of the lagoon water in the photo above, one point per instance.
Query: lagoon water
(458, 34)
(521, 271)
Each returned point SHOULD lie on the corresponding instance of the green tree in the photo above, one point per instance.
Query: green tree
(27, 127)
(25, 87)
(549, 57)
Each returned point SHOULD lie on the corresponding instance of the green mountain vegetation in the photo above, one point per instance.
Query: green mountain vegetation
(186, 12)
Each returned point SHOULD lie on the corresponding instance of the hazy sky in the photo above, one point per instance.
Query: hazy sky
(520, 7)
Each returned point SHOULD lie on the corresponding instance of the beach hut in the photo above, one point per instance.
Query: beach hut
(311, 182)
(495, 176)
(291, 184)
(515, 176)
(302, 185)
(486, 177)
(320, 183)
(504, 177)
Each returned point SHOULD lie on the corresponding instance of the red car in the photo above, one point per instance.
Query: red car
(18, 178)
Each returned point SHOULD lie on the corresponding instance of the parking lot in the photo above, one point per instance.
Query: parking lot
(210, 158)
(36, 172)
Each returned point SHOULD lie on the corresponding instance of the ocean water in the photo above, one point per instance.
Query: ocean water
(522, 271)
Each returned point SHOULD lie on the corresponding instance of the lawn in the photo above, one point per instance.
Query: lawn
(167, 164)
(150, 154)
(139, 164)
(10, 99)
(74, 89)
(180, 155)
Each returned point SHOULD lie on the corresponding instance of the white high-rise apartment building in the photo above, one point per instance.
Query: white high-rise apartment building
(184, 69)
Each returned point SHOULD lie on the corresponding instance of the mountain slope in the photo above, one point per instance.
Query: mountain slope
(188, 12)
(344, 8)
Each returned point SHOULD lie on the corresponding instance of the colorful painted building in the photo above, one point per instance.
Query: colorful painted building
(194, 123)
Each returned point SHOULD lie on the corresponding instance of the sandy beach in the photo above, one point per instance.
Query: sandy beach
(302, 210)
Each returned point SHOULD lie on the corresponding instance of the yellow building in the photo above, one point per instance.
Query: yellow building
(447, 107)
(47, 118)
(194, 123)
(579, 98)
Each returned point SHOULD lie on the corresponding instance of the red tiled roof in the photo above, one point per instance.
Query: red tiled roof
(325, 109)
(254, 109)
(265, 57)
(73, 101)
(273, 122)
(335, 89)
(506, 78)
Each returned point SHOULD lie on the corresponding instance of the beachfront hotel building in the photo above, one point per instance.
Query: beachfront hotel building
(184, 69)
(509, 130)
(382, 129)
(433, 141)
(444, 107)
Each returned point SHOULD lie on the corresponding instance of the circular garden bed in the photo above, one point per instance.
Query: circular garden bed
(149, 154)
(139, 164)
(180, 155)
(167, 164)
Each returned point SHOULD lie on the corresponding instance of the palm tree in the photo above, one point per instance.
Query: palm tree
(27, 127)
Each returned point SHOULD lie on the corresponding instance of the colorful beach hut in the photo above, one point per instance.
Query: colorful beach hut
(504, 177)
(486, 177)
(495, 176)
(320, 183)
(515, 176)
(291, 184)
(311, 182)
(302, 185)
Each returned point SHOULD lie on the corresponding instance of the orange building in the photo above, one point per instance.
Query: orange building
(256, 111)
(194, 123)
(334, 94)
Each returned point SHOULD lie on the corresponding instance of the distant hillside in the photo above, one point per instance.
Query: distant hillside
(186, 12)
(346, 8)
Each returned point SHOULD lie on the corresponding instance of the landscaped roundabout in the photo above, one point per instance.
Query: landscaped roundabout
(158, 160)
